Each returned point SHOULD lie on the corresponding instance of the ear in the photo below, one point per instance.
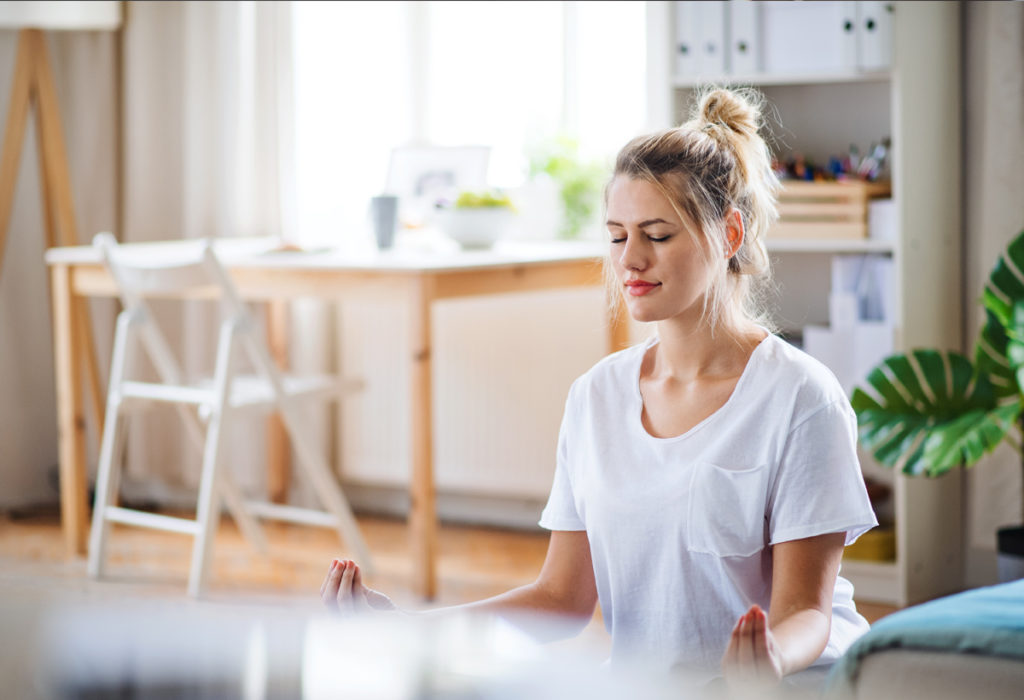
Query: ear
(733, 233)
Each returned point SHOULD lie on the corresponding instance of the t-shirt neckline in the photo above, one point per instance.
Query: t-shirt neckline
(638, 408)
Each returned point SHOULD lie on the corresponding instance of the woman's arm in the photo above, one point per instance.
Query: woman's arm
(564, 587)
(796, 629)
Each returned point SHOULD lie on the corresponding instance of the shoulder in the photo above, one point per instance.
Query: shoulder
(808, 382)
(613, 375)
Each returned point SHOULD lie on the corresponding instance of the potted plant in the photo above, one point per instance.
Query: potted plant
(929, 411)
(579, 182)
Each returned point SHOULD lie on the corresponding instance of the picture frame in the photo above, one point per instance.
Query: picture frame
(423, 176)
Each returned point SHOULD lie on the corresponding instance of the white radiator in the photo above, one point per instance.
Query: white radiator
(502, 369)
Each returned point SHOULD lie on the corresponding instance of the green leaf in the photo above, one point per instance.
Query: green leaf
(999, 350)
(964, 440)
(901, 367)
(861, 402)
(914, 463)
(886, 389)
(995, 305)
(931, 363)
(991, 357)
(928, 411)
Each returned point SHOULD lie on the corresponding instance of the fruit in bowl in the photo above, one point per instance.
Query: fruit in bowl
(476, 220)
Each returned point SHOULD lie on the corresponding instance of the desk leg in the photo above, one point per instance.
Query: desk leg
(278, 444)
(423, 509)
(70, 414)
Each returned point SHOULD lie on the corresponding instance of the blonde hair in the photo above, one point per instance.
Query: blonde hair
(714, 163)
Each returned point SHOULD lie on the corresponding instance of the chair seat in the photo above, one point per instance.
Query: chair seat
(247, 391)
(251, 391)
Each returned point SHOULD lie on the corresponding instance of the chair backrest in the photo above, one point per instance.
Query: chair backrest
(178, 269)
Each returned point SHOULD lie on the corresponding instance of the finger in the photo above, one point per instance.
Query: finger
(732, 651)
(759, 642)
(338, 588)
(357, 583)
(330, 594)
(345, 593)
(330, 569)
(746, 646)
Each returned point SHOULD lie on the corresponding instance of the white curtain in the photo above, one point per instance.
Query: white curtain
(207, 92)
(994, 145)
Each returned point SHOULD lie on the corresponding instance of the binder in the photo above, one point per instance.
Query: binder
(803, 38)
(687, 24)
(744, 37)
(700, 40)
(874, 35)
(712, 36)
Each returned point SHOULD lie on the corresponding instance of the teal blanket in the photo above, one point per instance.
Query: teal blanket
(987, 621)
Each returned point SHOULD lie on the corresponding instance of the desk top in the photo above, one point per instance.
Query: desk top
(268, 253)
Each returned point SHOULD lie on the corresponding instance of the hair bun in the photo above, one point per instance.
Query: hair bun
(730, 109)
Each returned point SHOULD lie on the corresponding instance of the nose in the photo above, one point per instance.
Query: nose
(633, 255)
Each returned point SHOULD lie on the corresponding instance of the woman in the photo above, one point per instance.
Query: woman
(707, 480)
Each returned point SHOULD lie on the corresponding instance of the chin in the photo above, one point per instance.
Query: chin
(638, 313)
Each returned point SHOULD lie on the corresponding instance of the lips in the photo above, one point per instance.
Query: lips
(638, 288)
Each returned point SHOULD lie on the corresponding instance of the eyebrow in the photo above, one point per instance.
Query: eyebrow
(643, 224)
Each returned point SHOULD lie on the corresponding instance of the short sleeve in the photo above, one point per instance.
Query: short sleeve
(560, 512)
(819, 487)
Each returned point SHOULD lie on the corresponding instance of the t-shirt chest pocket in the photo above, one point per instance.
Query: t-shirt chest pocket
(726, 516)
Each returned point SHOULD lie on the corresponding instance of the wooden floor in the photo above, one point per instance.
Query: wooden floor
(474, 563)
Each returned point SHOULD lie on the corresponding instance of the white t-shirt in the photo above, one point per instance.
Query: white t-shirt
(680, 528)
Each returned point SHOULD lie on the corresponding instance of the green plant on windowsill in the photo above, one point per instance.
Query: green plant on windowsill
(929, 411)
(579, 182)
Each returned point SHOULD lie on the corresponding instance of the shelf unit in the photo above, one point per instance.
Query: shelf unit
(917, 103)
(876, 76)
(831, 246)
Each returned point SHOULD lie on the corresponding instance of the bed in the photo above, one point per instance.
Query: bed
(967, 645)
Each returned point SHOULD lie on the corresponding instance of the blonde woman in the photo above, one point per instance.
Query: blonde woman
(707, 479)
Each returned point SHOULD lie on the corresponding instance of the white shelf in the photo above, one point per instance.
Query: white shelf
(829, 245)
(759, 79)
(859, 107)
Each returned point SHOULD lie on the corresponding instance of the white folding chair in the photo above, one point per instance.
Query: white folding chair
(191, 269)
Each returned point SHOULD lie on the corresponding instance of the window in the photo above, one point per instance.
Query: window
(370, 76)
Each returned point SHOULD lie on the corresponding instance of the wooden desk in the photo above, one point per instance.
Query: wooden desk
(263, 273)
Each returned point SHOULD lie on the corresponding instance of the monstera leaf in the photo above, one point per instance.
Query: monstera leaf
(1000, 349)
(930, 412)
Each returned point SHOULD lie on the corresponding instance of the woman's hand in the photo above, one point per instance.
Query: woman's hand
(343, 590)
(752, 657)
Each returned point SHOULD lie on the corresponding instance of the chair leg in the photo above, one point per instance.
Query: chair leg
(107, 479)
(111, 443)
(326, 487)
(208, 510)
(208, 506)
(250, 527)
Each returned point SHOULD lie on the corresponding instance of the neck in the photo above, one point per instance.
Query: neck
(693, 350)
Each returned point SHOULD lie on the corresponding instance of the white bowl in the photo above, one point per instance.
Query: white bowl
(476, 227)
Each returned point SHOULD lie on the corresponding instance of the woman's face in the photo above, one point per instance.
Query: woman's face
(660, 270)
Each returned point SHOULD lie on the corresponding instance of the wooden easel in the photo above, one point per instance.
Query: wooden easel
(34, 85)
